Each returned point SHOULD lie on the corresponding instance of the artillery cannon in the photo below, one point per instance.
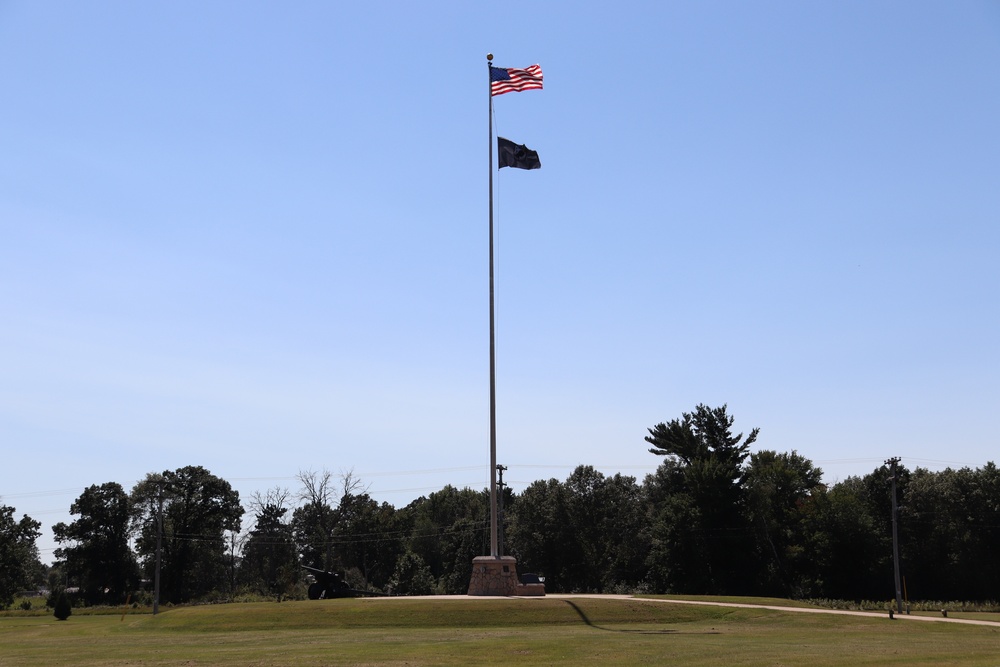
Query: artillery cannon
(332, 585)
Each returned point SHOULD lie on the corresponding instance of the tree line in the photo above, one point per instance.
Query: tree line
(713, 518)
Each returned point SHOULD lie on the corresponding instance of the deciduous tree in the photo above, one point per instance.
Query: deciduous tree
(541, 535)
(779, 490)
(447, 529)
(19, 565)
(198, 508)
(270, 562)
(96, 552)
(367, 536)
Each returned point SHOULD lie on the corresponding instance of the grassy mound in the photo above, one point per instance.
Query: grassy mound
(422, 613)
(430, 631)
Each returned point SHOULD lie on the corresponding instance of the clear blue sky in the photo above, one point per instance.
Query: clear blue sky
(252, 236)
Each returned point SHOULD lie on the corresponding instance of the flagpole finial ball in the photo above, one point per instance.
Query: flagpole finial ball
(489, 56)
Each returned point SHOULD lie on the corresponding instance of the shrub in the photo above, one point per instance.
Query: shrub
(63, 610)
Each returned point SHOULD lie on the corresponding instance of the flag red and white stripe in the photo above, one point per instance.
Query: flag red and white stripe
(511, 80)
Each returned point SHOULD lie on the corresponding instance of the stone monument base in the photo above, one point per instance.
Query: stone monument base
(497, 575)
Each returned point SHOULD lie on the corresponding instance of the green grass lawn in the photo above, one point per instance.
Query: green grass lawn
(459, 632)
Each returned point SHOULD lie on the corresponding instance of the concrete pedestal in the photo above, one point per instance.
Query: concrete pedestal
(498, 576)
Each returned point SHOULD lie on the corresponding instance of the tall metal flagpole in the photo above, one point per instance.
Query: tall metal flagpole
(493, 376)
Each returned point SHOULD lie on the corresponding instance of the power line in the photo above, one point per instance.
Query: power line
(431, 471)
(42, 494)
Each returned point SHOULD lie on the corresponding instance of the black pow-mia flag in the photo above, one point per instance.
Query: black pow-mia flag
(518, 156)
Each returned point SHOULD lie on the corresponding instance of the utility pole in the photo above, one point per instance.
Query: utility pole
(500, 487)
(159, 545)
(895, 533)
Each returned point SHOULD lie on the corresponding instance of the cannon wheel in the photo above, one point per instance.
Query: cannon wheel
(316, 591)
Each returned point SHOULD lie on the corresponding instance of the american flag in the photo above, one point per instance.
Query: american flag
(511, 80)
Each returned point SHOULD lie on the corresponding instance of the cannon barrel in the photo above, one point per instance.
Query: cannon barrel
(332, 585)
